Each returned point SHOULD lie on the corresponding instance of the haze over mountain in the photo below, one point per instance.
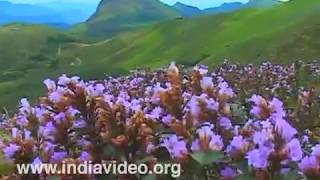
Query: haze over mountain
(54, 13)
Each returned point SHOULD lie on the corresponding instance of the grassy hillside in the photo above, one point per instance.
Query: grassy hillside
(113, 16)
(25, 50)
(282, 34)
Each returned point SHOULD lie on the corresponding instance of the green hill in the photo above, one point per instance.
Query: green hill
(284, 33)
(25, 50)
(281, 34)
(113, 16)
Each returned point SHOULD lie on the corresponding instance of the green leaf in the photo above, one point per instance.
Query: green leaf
(245, 177)
(238, 110)
(242, 164)
(205, 158)
(291, 175)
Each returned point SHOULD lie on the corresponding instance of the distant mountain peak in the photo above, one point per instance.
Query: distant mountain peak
(113, 16)
(225, 7)
(184, 5)
(186, 10)
(263, 2)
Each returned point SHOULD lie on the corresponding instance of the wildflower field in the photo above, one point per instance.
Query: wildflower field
(232, 122)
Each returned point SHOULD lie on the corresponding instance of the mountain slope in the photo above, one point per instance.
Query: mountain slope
(248, 35)
(263, 3)
(186, 10)
(27, 54)
(225, 7)
(281, 34)
(113, 16)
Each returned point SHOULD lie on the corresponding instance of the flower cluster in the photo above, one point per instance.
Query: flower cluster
(173, 115)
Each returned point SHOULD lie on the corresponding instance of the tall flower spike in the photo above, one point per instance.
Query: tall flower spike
(173, 69)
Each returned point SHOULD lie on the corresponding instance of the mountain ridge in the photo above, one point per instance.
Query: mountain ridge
(113, 16)
(186, 10)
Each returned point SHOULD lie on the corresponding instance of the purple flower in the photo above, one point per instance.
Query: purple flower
(284, 129)
(258, 158)
(295, 151)
(22, 120)
(14, 132)
(309, 163)
(48, 130)
(155, 113)
(150, 148)
(55, 96)
(206, 83)
(83, 143)
(256, 99)
(212, 104)
(316, 150)
(225, 123)
(195, 146)
(78, 124)
(167, 119)
(11, 150)
(224, 89)
(25, 105)
(216, 143)
(48, 146)
(51, 85)
(175, 146)
(99, 88)
(59, 118)
(194, 106)
(277, 107)
(40, 113)
(57, 157)
(27, 134)
(203, 70)
(84, 156)
(95, 90)
(205, 130)
(305, 139)
(135, 105)
(238, 144)
(37, 161)
(64, 80)
(255, 111)
(228, 173)
(72, 111)
(261, 137)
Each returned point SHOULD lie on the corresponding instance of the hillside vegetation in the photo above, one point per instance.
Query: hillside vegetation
(282, 34)
(24, 51)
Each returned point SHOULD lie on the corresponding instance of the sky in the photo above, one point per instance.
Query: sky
(198, 3)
